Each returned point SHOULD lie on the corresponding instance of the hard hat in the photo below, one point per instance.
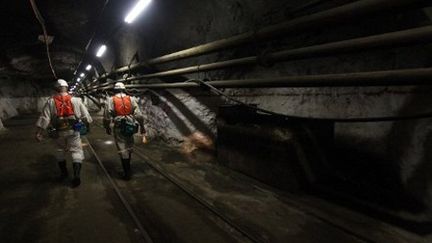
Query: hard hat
(61, 83)
(119, 85)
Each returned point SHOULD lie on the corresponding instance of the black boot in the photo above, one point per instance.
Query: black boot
(76, 181)
(127, 169)
(63, 170)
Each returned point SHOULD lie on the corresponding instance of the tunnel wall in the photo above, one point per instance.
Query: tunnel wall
(21, 97)
(395, 149)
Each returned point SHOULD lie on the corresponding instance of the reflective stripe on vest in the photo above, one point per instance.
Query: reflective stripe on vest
(122, 105)
(64, 105)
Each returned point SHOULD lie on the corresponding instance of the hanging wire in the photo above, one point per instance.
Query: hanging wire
(45, 34)
(341, 120)
(93, 34)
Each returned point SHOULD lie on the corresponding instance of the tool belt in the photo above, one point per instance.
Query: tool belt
(67, 124)
(64, 124)
(127, 126)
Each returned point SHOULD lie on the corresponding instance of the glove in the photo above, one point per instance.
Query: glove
(144, 139)
(108, 130)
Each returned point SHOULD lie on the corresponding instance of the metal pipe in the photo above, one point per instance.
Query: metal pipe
(331, 16)
(403, 77)
(393, 39)
(99, 105)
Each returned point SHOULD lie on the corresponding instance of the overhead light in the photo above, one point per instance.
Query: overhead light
(101, 51)
(78, 79)
(88, 67)
(136, 10)
(82, 75)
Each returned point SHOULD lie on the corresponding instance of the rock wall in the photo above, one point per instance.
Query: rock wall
(399, 149)
(20, 98)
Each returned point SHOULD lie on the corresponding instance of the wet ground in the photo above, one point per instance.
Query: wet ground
(35, 207)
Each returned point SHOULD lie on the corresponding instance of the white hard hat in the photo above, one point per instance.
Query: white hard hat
(61, 83)
(119, 85)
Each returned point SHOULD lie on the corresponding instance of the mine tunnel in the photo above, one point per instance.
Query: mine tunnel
(216, 121)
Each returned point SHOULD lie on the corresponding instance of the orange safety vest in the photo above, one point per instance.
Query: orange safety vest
(122, 105)
(64, 105)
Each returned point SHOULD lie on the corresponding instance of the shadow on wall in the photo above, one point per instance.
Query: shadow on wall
(410, 146)
(397, 176)
(177, 121)
(189, 115)
(212, 106)
(185, 109)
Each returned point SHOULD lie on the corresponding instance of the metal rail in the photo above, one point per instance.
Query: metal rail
(128, 207)
(222, 216)
(190, 192)
(182, 187)
(199, 199)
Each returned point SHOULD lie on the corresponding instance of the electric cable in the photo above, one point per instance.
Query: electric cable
(94, 33)
(340, 120)
(45, 34)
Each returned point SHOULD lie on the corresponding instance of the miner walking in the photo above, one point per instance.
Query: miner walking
(123, 118)
(65, 117)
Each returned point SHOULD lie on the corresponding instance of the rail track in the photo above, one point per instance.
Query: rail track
(232, 225)
(144, 160)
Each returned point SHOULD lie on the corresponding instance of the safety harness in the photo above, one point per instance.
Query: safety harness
(123, 107)
(66, 117)
(64, 107)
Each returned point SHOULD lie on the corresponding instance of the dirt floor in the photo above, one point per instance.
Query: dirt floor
(36, 207)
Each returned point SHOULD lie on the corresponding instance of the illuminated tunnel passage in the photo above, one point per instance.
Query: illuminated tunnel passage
(176, 198)
(216, 121)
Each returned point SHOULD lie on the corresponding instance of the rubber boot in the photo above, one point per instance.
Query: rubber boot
(127, 169)
(63, 170)
(76, 181)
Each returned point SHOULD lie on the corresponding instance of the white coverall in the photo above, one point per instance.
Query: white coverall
(70, 140)
(124, 144)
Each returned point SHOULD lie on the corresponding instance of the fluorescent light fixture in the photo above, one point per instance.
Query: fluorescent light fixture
(88, 67)
(101, 51)
(136, 10)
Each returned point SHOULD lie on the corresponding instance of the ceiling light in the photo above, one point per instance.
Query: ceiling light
(88, 67)
(136, 10)
(78, 79)
(82, 75)
(101, 51)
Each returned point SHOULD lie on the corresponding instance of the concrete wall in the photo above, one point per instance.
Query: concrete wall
(400, 148)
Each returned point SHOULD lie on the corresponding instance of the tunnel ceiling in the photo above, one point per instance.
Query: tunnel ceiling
(23, 56)
(72, 24)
